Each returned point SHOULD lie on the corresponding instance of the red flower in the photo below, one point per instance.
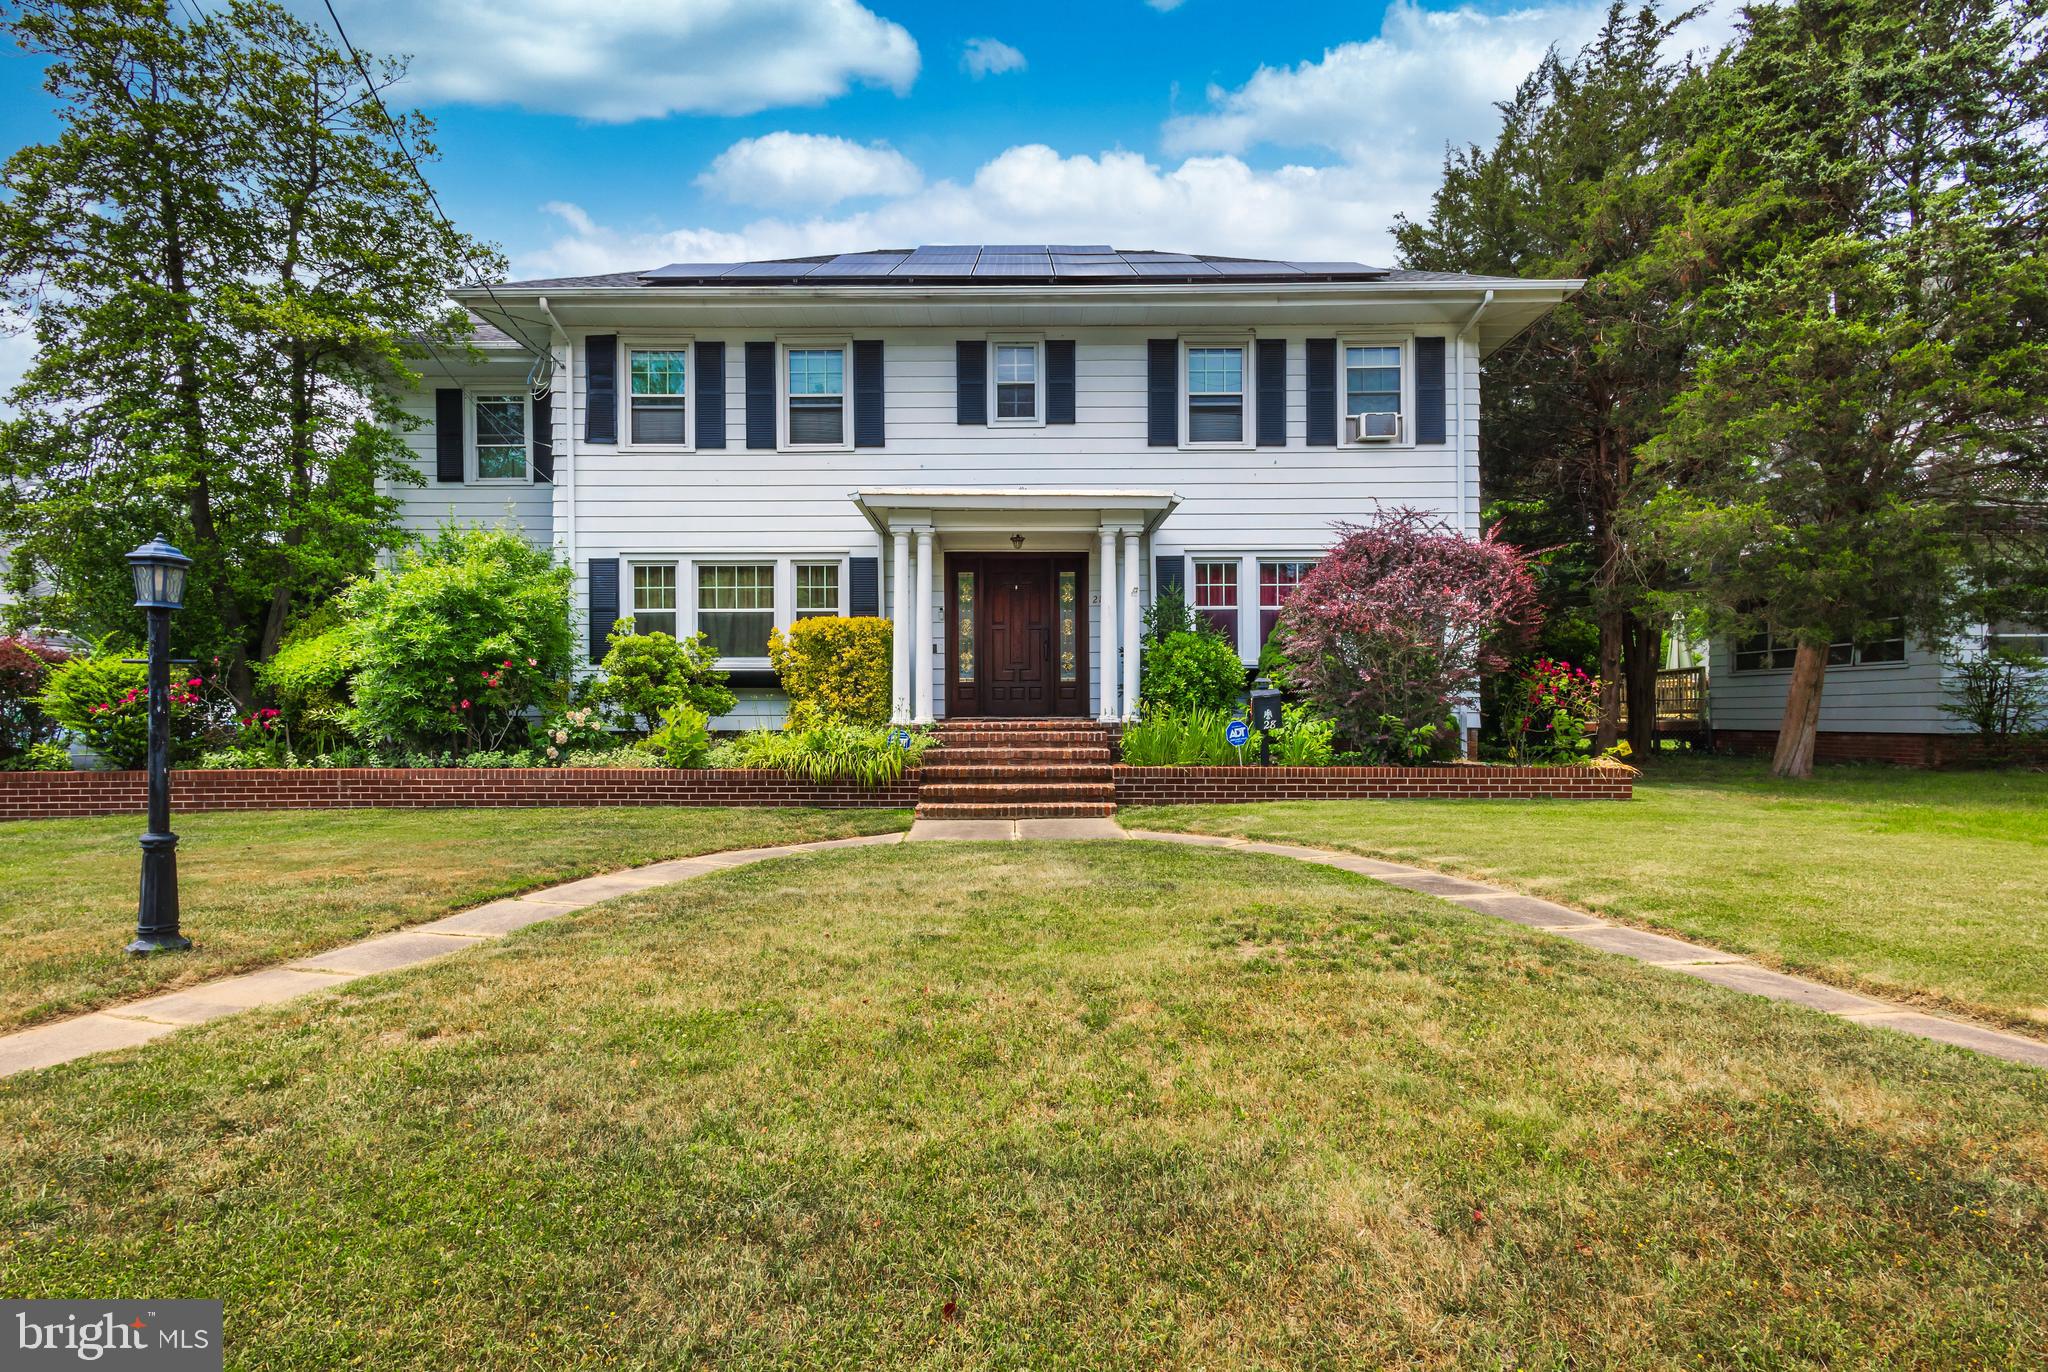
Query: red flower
(465, 705)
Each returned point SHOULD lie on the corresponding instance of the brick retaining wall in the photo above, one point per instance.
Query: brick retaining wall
(1232, 785)
(51, 795)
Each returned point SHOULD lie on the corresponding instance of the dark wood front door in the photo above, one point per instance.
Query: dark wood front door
(1016, 635)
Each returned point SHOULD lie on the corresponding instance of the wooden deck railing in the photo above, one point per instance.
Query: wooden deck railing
(1681, 701)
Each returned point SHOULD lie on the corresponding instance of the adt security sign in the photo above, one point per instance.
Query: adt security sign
(1237, 734)
(900, 737)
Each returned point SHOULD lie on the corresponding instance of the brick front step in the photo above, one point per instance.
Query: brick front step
(1015, 772)
(1018, 810)
(1003, 757)
(1034, 738)
(977, 726)
(1003, 791)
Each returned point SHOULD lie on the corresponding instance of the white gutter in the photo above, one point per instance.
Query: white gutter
(565, 442)
(1464, 418)
(1262, 291)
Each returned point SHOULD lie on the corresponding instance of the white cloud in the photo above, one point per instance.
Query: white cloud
(989, 57)
(620, 60)
(793, 170)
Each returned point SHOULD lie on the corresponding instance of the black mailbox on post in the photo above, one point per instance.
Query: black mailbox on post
(1265, 706)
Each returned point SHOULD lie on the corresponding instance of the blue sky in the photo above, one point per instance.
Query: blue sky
(593, 135)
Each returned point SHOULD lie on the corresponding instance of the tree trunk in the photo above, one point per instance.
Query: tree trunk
(1798, 730)
(1645, 657)
(1612, 629)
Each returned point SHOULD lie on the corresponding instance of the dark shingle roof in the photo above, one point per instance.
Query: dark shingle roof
(1061, 264)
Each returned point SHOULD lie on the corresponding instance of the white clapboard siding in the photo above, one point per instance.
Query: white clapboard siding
(1882, 698)
(423, 509)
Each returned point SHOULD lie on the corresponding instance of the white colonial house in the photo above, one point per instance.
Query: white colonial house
(1007, 450)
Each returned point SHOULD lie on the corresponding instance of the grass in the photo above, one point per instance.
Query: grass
(1009, 1106)
(1926, 886)
(261, 888)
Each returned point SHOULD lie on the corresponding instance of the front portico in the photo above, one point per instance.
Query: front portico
(1015, 601)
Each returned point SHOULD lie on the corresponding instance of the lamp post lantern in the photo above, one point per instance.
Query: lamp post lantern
(159, 571)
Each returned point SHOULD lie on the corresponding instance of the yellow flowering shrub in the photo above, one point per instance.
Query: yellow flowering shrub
(835, 670)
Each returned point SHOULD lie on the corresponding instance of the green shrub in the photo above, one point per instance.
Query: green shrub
(307, 679)
(1305, 738)
(647, 675)
(866, 754)
(1195, 738)
(684, 738)
(1187, 664)
(25, 669)
(631, 755)
(451, 646)
(104, 701)
(38, 757)
(835, 670)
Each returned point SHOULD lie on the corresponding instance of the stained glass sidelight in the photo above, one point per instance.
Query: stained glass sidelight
(965, 596)
(1070, 658)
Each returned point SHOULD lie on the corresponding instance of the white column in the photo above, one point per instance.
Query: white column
(1105, 627)
(1133, 620)
(901, 702)
(921, 646)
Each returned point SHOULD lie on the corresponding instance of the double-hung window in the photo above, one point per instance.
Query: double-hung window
(1372, 389)
(1215, 393)
(1216, 596)
(736, 607)
(815, 396)
(1766, 651)
(500, 428)
(1277, 581)
(654, 598)
(1018, 381)
(659, 396)
(817, 589)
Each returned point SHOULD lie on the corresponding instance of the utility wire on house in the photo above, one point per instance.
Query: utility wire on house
(541, 373)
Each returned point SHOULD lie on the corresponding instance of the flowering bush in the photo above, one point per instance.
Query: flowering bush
(577, 729)
(1553, 711)
(24, 670)
(646, 675)
(835, 670)
(105, 702)
(1400, 620)
(453, 646)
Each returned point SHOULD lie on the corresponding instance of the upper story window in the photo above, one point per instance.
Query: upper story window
(1019, 382)
(654, 599)
(736, 607)
(659, 396)
(499, 420)
(1216, 596)
(1372, 391)
(1277, 581)
(1215, 393)
(815, 393)
(817, 589)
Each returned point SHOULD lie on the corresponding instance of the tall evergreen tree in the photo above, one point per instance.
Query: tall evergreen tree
(1869, 417)
(223, 254)
(1577, 184)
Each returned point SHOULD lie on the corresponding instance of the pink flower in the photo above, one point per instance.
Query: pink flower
(531, 662)
(506, 663)
(193, 682)
(465, 704)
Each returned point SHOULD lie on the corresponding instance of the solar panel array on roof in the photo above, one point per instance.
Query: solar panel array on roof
(1035, 263)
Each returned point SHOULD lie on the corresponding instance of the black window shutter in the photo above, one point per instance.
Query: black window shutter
(448, 436)
(864, 586)
(1429, 390)
(544, 436)
(1322, 393)
(760, 395)
(1169, 578)
(604, 603)
(970, 381)
(601, 388)
(711, 395)
(1059, 380)
(1272, 428)
(1162, 393)
(870, 425)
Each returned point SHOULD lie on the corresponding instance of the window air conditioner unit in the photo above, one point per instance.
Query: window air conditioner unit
(1373, 428)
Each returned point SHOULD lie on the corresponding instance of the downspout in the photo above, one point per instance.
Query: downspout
(1464, 418)
(565, 446)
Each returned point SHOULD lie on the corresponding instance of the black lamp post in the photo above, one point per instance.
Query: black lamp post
(159, 589)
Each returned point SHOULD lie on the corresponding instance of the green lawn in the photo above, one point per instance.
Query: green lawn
(259, 888)
(1927, 886)
(1023, 1106)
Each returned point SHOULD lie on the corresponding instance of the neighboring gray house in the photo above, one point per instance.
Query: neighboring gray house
(1007, 450)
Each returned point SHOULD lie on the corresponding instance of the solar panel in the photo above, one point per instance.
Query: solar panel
(1178, 269)
(1157, 257)
(1014, 266)
(688, 271)
(1018, 261)
(880, 267)
(748, 269)
(1081, 249)
(949, 267)
(1111, 268)
(1254, 268)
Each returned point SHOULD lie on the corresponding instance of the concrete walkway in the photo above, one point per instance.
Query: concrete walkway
(143, 1020)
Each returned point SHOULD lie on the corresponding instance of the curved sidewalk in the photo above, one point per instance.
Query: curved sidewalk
(140, 1021)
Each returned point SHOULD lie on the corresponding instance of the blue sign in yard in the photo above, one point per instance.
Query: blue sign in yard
(1237, 733)
(900, 737)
